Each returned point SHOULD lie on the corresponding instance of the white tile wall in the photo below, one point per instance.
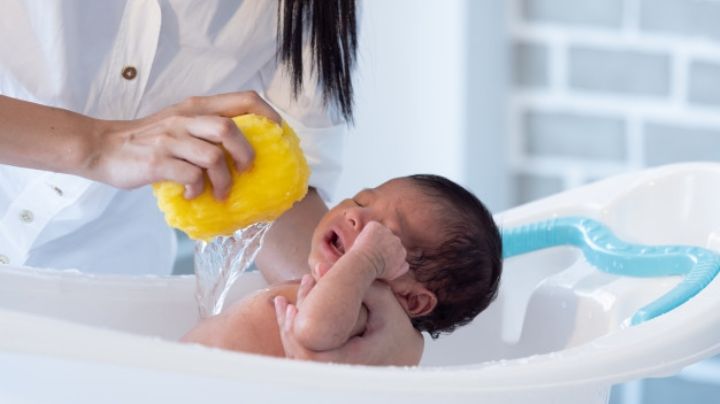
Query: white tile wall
(637, 80)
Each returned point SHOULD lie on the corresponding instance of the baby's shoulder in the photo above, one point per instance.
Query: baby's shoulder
(287, 289)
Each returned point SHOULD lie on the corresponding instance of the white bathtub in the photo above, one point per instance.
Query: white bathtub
(554, 335)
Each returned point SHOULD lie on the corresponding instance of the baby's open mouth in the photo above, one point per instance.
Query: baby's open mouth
(336, 243)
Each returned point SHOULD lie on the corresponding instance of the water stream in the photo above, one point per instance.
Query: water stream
(220, 262)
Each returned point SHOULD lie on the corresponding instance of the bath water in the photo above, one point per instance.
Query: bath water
(220, 262)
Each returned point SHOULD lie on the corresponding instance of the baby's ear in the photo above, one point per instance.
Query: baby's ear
(420, 302)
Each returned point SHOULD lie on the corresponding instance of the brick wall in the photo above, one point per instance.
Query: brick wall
(601, 87)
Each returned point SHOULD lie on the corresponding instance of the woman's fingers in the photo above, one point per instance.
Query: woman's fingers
(202, 141)
(222, 131)
(207, 156)
(197, 132)
(184, 173)
(229, 105)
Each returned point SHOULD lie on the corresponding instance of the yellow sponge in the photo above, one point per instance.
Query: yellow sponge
(278, 178)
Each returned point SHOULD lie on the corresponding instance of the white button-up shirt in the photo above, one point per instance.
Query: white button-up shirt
(124, 59)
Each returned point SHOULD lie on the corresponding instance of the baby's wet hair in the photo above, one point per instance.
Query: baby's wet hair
(464, 270)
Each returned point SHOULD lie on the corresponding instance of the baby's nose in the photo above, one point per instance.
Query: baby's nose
(354, 218)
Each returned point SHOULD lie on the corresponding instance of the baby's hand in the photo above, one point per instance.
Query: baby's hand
(320, 270)
(383, 249)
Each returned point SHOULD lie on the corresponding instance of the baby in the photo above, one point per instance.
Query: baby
(417, 253)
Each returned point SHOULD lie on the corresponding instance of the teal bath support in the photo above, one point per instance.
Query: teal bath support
(604, 250)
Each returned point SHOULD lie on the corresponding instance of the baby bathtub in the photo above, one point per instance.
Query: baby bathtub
(556, 333)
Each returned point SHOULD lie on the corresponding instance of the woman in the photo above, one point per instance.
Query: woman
(97, 96)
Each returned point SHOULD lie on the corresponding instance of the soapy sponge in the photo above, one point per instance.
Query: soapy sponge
(277, 179)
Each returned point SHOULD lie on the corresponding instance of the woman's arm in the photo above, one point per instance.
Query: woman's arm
(180, 143)
(45, 138)
(287, 244)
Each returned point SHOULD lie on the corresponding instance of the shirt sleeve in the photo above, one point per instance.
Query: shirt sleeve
(321, 129)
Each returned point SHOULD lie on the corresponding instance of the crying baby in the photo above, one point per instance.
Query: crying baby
(415, 254)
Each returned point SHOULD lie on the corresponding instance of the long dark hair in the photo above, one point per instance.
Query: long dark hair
(332, 31)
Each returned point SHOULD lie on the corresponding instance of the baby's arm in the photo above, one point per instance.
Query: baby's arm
(328, 316)
(389, 339)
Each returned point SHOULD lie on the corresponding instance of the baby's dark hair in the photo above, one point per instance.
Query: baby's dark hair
(464, 270)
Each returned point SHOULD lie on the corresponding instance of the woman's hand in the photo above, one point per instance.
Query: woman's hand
(183, 143)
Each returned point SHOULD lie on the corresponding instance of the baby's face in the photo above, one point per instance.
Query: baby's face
(397, 204)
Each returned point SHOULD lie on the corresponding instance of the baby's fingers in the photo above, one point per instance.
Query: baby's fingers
(306, 284)
(285, 314)
(280, 309)
(320, 270)
(290, 312)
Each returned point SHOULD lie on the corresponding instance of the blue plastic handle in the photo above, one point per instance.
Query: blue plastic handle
(610, 254)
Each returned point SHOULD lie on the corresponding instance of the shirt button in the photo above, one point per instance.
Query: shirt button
(26, 216)
(4, 260)
(129, 72)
